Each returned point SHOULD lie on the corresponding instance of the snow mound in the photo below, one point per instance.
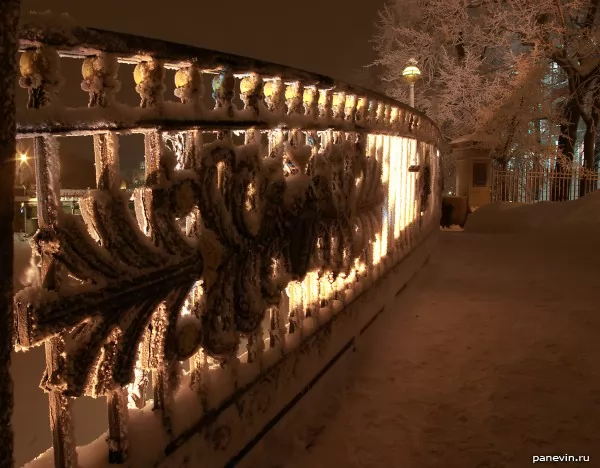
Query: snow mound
(582, 215)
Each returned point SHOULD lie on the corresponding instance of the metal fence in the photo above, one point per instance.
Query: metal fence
(254, 226)
(524, 185)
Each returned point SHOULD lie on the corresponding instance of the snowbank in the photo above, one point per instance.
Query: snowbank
(581, 215)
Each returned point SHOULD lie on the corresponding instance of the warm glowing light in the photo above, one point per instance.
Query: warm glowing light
(247, 84)
(182, 78)
(87, 68)
(291, 92)
(30, 62)
(323, 96)
(269, 89)
(139, 73)
(23, 157)
(337, 99)
(411, 73)
(308, 96)
(350, 101)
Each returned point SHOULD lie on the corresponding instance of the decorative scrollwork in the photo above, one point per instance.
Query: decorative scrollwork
(124, 276)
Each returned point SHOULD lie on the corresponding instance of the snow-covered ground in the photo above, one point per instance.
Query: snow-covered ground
(488, 359)
(582, 216)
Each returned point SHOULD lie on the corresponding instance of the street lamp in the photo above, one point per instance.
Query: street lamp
(411, 74)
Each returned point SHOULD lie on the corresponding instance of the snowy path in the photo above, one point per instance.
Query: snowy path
(487, 359)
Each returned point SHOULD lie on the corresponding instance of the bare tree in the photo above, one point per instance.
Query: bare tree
(470, 65)
(477, 75)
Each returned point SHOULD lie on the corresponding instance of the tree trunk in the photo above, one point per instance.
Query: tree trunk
(589, 146)
(566, 148)
(9, 19)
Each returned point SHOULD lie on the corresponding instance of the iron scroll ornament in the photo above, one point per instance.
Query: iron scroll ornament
(121, 280)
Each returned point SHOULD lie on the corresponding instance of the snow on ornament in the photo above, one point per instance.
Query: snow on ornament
(251, 92)
(183, 199)
(40, 75)
(350, 107)
(100, 79)
(188, 84)
(274, 95)
(311, 101)
(293, 98)
(361, 109)
(325, 101)
(187, 336)
(149, 79)
(338, 103)
(223, 85)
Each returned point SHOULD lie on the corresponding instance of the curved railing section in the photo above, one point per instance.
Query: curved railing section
(257, 224)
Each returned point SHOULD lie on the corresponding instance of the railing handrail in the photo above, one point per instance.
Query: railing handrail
(80, 42)
(225, 240)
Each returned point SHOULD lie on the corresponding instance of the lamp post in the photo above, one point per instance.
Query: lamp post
(411, 74)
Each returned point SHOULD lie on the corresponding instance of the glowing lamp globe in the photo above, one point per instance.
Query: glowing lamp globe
(246, 85)
(87, 68)
(291, 92)
(139, 73)
(308, 95)
(268, 89)
(182, 78)
(23, 158)
(411, 73)
(27, 62)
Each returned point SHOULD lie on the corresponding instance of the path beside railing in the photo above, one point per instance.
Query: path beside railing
(488, 359)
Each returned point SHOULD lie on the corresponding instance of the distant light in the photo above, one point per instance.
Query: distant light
(23, 157)
(411, 73)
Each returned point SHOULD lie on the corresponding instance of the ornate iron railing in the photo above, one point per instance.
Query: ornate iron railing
(279, 231)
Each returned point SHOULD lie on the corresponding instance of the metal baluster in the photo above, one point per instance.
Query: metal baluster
(40, 75)
(100, 81)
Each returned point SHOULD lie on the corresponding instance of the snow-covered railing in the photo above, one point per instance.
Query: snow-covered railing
(258, 244)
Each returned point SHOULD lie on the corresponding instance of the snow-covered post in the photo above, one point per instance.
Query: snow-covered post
(223, 87)
(311, 102)
(350, 108)
(40, 75)
(274, 92)
(325, 102)
(188, 88)
(100, 81)
(149, 78)
(9, 19)
(361, 110)
(251, 89)
(338, 104)
(294, 98)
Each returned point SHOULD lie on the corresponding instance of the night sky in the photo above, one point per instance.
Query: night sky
(331, 37)
(325, 36)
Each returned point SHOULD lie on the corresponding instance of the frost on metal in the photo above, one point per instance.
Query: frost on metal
(227, 245)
